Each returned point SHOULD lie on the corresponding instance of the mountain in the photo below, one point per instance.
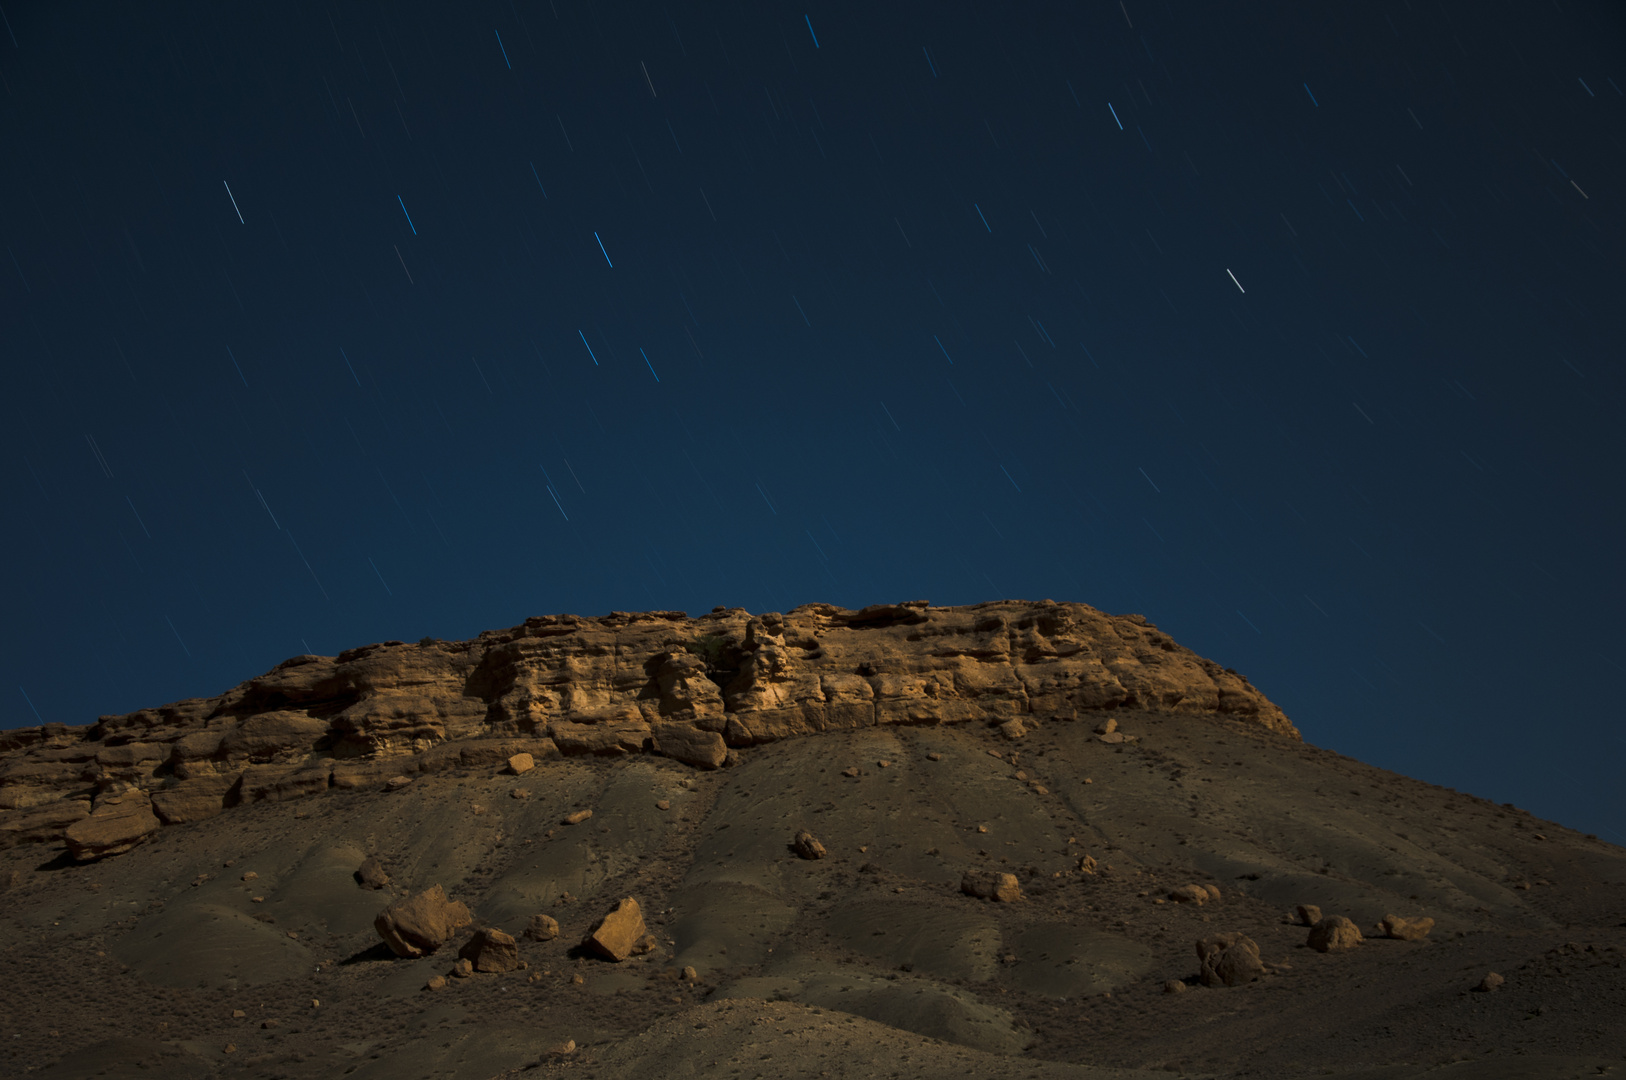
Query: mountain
(1013, 838)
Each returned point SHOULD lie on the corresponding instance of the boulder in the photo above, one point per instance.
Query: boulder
(691, 745)
(576, 818)
(196, 799)
(1113, 737)
(370, 874)
(1013, 729)
(807, 846)
(1213, 891)
(1228, 960)
(542, 928)
(1087, 864)
(1334, 933)
(1189, 894)
(115, 825)
(520, 764)
(1107, 726)
(1395, 926)
(420, 924)
(619, 933)
(991, 885)
(491, 950)
(1308, 914)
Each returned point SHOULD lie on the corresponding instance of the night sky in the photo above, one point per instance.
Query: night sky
(1294, 327)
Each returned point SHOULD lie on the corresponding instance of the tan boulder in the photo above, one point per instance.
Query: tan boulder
(1395, 926)
(576, 818)
(1107, 726)
(991, 885)
(691, 745)
(423, 923)
(1213, 891)
(1174, 986)
(807, 846)
(491, 950)
(619, 933)
(1013, 729)
(1308, 914)
(1334, 933)
(542, 928)
(115, 825)
(463, 968)
(520, 764)
(1113, 737)
(370, 874)
(1228, 960)
(1189, 894)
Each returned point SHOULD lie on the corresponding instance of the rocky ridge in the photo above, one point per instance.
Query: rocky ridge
(695, 690)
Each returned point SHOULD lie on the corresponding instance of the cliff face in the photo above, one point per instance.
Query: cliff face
(627, 683)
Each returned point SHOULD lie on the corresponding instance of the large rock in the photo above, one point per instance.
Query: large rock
(420, 924)
(371, 874)
(1334, 933)
(1189, 894)
(1228, 960)
(619, 934)
(691, 745)
(115, 825)
(991, 885)
(1395, 926)
(491, 950)
(807, 846)
(196, 799)
(542, 928)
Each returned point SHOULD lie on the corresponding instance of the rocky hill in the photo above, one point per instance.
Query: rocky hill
(1013, 838)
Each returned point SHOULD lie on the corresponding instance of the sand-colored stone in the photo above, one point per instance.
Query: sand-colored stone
(521, 764)
(422, 923)
(542, 928)
(491, 950)
(691, 745)
(116, 824)
(807, 846)
(1230, 959)
(1189, 894)
(991, 885)
(1492, 981)
(619, 933)
(1307, 914)
(1396, 926)
(1334, 933)
(371, 875)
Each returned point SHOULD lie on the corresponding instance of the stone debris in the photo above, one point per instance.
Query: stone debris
(396, 783)
(520, 764)
(1395, 926)
(1107, 726)
(577, 818)
(807, 846)
(1213, 891)
(542, 928)
(1174, 986)
(689, 974)
(1087, 864)
(1306, 915)
(691, 745)
(1228, 960)
(991, 885)
(663, 804)
(1013, 729)
(851, 770)
(420, 924)
(436, 982)
(463, 969)
(620, 933)
(116, 824)
(370, 874)
(934, 756)
(1334, 933)
(1189, 894)
(491, 950)
(1490, 982)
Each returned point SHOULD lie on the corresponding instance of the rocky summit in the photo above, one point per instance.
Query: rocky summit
(1013, 838)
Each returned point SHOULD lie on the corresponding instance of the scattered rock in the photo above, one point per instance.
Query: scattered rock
(689, 974)
(542, 928)
(1490, 982)
(1087, 864)
(520, 764)
(663, 804)
(463, 969)
(1107, 726)
(420, 924)
(807, 846)
(520, 793)
(934, 756)
(1013, 729)
(991, 885)
(618, 934)
(1189, 894)
(851, 770)
(1334, 933)
(491, 950)
(1213, 891)
(1228, 960)
(1395, 926)
(691, 745)
(396, 783)
(116, 824)
(250, 876)
(1174, 986)
(566, 1047)
(436, 982)
(370, 874)
(577, 818)
(1307, 914)
(1113, 737)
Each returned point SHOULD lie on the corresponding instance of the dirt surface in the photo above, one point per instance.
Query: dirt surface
(868, 962)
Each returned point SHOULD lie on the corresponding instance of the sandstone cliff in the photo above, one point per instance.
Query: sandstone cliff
(625, 683)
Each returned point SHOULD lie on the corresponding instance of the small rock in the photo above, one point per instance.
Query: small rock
(520, 793)
(1040, 789)
(1174, 986)
(250, 876)
(463, 968)
(577, 980)
(521, 763)
(370, 874)
(997, 754)
(1113, 737)
(578, 817)
(646, 944)
(663, 804)
(436, 982)
(566, 1047)
(1189, 894)
(1087, 780)
(1307, 914)
(934, 756)
(271, 1023)
(396, 783)
(1490, 982)
(807, 846)
(1334, 933)
(1229, 960)
(1394, 926)
(619, 933)
(991, 885)
(238, 1014)
(1013, 729)
(1213, 891)
(1107, 727)
(851, 770)
(690, 974)
(491, 950)
(542, 928)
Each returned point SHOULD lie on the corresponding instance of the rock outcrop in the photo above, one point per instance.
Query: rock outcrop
(420, 924)
(694, 690)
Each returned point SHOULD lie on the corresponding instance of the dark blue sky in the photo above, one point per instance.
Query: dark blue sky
(1287, 326)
